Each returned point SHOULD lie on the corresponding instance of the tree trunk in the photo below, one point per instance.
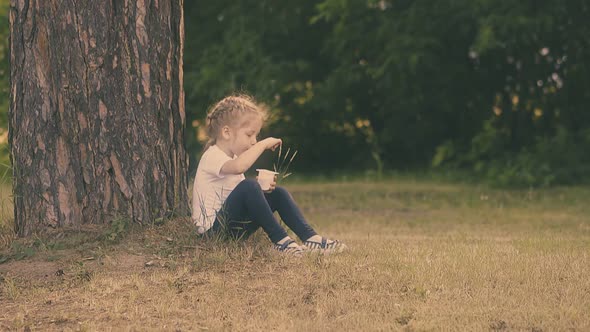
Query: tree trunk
(97, 116)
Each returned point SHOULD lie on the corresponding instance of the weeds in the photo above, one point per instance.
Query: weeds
(10, 288)
(81, 272)
(7, 235)
(281, 166)
(18, 251)
(117, 230)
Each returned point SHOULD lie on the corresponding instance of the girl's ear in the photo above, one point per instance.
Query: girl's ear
(225, 132)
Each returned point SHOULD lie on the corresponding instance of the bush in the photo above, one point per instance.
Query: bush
(559, 159)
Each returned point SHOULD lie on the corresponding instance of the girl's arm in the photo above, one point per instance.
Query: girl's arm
(243, 162)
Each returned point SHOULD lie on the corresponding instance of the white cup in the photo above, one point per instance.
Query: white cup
(265, 178)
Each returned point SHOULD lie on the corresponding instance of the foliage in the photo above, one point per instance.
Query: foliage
(558, 159)
(374, 84)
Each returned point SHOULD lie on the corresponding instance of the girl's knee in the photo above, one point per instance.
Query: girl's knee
(250, 184)
(281, 191)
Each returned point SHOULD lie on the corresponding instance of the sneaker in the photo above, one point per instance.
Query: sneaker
(325, 246)
(290, 247)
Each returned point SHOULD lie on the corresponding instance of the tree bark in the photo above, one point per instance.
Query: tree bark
(97, 115)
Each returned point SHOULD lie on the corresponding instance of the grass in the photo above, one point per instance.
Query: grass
(6, 211)
(424, 256)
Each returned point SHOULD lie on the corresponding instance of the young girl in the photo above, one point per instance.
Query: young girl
(223, 199)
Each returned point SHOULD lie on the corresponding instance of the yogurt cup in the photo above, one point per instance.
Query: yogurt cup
(265, 178)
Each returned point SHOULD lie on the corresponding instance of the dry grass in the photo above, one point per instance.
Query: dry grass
(423, 256)
(6, 212)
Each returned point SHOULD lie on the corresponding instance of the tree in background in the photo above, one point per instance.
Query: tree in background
(96, 111)
(534, 58)
(494, 87)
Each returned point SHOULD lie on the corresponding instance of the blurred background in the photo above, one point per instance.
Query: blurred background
(491, 90)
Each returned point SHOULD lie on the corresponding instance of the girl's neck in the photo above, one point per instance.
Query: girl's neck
(223, 146)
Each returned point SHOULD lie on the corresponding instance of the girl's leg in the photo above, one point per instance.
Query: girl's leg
(281, 200)
(245, 210)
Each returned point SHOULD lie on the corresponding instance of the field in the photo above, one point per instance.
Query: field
(423, 256)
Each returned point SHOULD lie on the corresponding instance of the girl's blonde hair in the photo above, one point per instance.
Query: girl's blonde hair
(228, 111)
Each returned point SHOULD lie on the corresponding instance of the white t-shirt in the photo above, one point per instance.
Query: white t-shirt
(211, 188)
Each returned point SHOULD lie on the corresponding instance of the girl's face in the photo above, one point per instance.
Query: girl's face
(243, 135)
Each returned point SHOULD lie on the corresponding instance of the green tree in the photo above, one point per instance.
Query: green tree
(535, 55)
(492, 86)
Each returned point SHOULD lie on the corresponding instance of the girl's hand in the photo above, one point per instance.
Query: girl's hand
(273, 184)
(272, 143)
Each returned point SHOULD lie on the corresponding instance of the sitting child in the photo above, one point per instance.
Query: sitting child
(223, 199)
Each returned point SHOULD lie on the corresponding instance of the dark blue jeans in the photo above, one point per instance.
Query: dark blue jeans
(248, 208)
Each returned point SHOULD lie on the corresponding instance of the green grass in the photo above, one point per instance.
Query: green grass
(423, 255)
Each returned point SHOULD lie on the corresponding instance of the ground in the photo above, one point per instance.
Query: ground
(423, 256)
